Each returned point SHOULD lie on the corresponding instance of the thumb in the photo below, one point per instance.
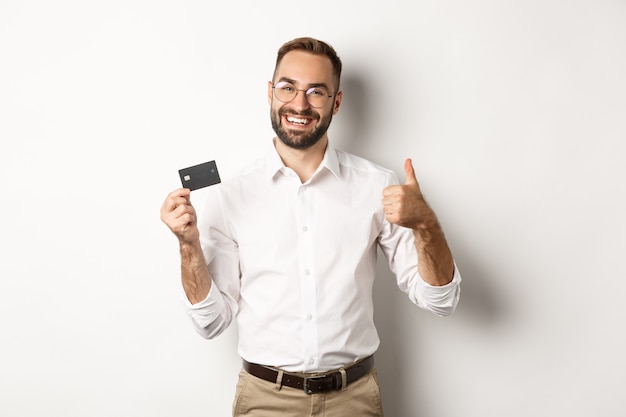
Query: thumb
(410, 172)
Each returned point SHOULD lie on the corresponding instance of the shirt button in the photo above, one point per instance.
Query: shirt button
(309, 316)
(304, 229)
(307, 272)
(311, 361)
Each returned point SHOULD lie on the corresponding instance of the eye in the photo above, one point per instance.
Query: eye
(317, 91)
(285, 86)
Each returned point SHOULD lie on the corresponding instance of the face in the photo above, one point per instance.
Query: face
(296, 123)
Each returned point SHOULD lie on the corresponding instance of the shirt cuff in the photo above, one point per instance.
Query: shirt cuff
(442, 300)
(206, 311)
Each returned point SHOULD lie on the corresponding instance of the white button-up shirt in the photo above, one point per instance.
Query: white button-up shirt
(295, 262)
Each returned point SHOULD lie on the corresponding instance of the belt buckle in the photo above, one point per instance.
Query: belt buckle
(307, 380)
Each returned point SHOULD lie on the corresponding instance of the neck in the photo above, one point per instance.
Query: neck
(303, 161)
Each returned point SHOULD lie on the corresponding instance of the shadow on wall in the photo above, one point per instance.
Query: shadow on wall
(402, 326)
(352, 121)
(478, 303)
(393, 312)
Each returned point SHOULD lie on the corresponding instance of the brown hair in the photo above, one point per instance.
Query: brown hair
(315, 47)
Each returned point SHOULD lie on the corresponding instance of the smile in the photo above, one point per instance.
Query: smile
(298, 121)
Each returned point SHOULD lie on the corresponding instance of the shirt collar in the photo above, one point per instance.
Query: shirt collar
(274, 163)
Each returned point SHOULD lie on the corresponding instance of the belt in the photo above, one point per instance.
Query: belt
(316, 383)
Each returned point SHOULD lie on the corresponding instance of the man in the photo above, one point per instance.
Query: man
(288, 247)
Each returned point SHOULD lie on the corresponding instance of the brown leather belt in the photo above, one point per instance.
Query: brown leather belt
(316, 383)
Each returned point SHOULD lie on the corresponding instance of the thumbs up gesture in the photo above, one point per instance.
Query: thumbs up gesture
(405, 205)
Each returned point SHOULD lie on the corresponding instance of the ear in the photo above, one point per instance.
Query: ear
(337, 102)
(270, 92)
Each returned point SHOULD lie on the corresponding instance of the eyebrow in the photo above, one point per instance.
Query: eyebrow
(294, 82)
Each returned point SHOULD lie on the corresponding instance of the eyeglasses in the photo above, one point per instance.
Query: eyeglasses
(286, 92)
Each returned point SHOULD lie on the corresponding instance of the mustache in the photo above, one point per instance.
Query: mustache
(305, 113)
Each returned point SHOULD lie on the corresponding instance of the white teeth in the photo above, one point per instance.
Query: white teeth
(299, 121)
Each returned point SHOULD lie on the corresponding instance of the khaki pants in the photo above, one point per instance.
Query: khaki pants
(258, 398)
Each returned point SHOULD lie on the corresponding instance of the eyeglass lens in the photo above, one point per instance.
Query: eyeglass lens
(286, 92)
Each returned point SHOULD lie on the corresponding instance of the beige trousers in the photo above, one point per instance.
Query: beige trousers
(258, 398)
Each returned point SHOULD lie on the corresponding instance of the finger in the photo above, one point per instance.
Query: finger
(392, 190)
(179, 219)
(410, 173)
(172, 203)
(393, 198)
(180, 192)
(176, 198)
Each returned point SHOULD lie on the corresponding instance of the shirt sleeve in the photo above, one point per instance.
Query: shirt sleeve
(206, 314)
(440, 300)
(211, 316)
(398, 245)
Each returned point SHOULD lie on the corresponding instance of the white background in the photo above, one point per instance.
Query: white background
(513, 112)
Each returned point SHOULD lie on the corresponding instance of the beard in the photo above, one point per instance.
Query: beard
(296, 139)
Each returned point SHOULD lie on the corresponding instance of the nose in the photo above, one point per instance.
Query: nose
(300, 100)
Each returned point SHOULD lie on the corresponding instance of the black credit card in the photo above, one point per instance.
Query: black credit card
(199, 176)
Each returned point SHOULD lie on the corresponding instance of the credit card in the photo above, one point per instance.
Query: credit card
(199, 176)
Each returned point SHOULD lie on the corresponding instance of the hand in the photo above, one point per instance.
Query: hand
(180, 216)
(405, 205)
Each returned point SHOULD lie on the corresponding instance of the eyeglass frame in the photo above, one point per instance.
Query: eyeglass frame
(296, 95)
